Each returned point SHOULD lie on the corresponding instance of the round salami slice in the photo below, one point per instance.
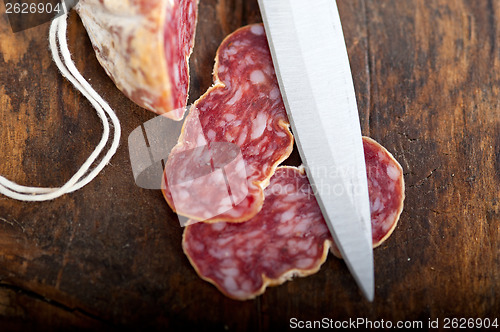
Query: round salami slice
(144, 46)
(244, 108)
(386, 190)
(289, 236)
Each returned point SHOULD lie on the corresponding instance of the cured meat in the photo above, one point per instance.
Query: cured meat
(289, 236)
(144, 46)
(244, 108)
(386, 190)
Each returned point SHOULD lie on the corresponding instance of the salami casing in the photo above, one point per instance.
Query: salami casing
(289, 236)
(144, 46)
(244, 108)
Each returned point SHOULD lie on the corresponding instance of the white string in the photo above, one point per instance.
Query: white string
(59, 46)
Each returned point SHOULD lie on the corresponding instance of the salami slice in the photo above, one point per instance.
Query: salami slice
(244, 108)
(289, 236)
(144, 46)
(386, 190)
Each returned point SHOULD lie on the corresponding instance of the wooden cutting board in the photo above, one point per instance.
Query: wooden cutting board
(427, 77)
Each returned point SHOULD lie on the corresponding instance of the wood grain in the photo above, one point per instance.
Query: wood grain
(427, 78)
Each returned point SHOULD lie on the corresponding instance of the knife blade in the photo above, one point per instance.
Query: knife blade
(311, 62)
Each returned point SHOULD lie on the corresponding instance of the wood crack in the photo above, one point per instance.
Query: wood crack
(408, 138)
(59, 305)
(421, 182)
(13, 223)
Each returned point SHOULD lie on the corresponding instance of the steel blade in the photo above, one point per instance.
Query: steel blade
(312, 65)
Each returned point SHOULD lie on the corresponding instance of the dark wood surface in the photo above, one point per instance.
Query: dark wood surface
(427, 77)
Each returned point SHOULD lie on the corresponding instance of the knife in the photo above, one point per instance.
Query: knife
(312, 66)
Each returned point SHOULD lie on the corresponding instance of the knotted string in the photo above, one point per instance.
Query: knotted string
(59, 47)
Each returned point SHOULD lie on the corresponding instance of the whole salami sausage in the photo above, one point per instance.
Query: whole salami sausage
(289, 236)
(144, 46)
